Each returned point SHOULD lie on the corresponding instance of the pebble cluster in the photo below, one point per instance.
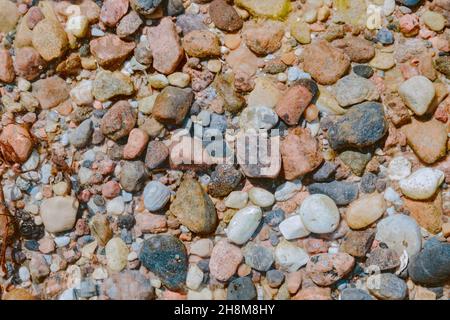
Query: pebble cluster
(95, 93)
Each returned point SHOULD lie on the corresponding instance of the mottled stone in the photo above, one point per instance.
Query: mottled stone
(341, 192)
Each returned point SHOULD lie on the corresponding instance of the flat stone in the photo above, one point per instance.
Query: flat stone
(293, 103)
(353, 89)
(362, 126)
(241, 288)
(358, 243)
(341, 192)
(356, 161)
(193, 207)
(325, 63)
(290, 257)
(224, 16)
(110, 51)
(428, 139)
(50, 91)
(166, 256)
(418, 93)
(383, 259)
(109, 84)
(300, 153)
(201, 44)
(49, 39)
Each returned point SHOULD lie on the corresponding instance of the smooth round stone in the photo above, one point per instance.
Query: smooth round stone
(287, 190)
(158, 81)
(116, 254)
(431, 267)
(417, 92)
(400, 232)
(385, 36)
(59, 213)
(363, 70)
(434, 20)
(236, 200)
(293, 228)
(243, 224)
(289, 257)
(422, 184)
(387, 286)
(261, 197)
(156, 195)
(241, 289)
(399, 168)
(319, 214)
(258, 257)
(115, 206)
(365, 211)
(179, 79)
(258, 118)
(202, 248)
(388, 7)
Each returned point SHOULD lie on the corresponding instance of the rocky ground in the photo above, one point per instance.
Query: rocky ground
(97, 205)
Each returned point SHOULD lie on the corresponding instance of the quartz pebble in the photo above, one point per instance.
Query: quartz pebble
(421, 184)
(243, 224)
(156, 195)
(319, 214)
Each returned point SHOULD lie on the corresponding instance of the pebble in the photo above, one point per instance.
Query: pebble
(387, 286)
(110, 51)
(236, 200)
(428, 139)
(202, 248)
(201, 44)
(28, 63)
(224, 16)
(6, 67)
(9, 16)
(342, 193)
(224, 179)
(225, 259)
(128, 285)
(290, 257)
(399, 168)
(383, 259)
(137, 143)
(434, 20)
(18, 142)
(49, 39)
(50, 91)
(179, 79)
(59, 213)
(325, 269)
(362, 126)
(109, 84)
(157, 154)
(299, 153)
(194, 277)
(132, 176)
(319, 214)
(353, 89)
(259, 117)
(417, 93)
(325, 63)
(156, 195)
(172, 105)
(241, 288)
(422, 183)
(194, 208)
(293, 103)
(258, 257)
(430, 267)
(243, 224)
(400, 232)
(116, 254)
(260, 197)
(355, 294)
(384, 36)
(365, 210)
(363, 70)
(358, 243)
(293, 228)
(287, 190)
(81, 136)
(115, 206)
(165, 256)
(165, 46)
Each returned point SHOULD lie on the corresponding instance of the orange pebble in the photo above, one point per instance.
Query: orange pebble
(311, 113)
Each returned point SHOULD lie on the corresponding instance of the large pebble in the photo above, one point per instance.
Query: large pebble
(293, 228)
(399, 168)
(118, 121)
(365, 211)
(243, 224)
(132, 176)
(353, 89)
(261, 197)
(325, 269)
(80, 137)
(166, 256)
(422, 184)
(194, 208)
(236, 200)
(224, 179)
(241, 288)
(225, 259)
(387, 286)
(418, 93)
(341, 192)
(400, 232)
(59, 213)
(258, 257)
(319, 214)
(156, 195)
(289, 257)
(116, 254)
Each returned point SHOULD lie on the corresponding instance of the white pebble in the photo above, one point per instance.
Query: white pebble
(236, 200)
(261, 197)
(293, 228)
(243, 224)
(319, 214)
(287, 190)
(399, 168)
(422, 184)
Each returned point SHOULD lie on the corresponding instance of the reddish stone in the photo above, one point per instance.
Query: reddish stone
(16, 143)
(325, 269)
(112, 11)
(28, 63)
(292, 104)
(33, 16)
(6, 66)
(110, 51)
(137, 141)
(225, 259)
(51, 91)
(111, 189)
